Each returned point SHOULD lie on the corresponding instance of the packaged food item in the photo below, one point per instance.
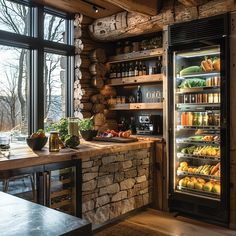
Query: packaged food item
(205, 98)
(210, 98)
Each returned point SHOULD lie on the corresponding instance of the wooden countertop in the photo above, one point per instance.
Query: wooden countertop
(25, 157)
(21, 217)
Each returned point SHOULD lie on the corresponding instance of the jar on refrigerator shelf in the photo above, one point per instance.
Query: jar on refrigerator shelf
(195, 122)
(205, 98)
(205, 119)
(190, 118)
(210, 98)
(216, 97)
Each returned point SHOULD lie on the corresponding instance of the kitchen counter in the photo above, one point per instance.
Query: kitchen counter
(25, 157)
(21, 217)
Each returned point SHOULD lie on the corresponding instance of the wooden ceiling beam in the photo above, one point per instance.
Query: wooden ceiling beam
(140, 6)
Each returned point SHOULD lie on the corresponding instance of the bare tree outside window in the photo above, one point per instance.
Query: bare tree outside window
(15, 76)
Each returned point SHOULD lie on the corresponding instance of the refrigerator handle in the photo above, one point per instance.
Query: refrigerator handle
(48, 188)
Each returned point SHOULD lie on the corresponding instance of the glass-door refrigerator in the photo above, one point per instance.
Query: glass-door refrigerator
(198, 137)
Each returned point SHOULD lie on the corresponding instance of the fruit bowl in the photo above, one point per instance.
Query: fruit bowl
(36, 143)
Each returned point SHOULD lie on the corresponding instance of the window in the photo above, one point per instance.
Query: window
(35, 68)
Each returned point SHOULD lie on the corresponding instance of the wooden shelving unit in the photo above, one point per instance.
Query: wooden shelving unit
(138, 106)
(136, 55)
(144, 79)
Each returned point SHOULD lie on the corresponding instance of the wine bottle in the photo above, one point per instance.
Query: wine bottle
(140, 69)
(136, 69)
(131, 69)
(139, 95)
(123, 70)
(118, 71)
(144, 69)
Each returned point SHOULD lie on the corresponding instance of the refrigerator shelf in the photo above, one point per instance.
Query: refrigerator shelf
(187, 141)
(197, 106)
(197, 191)
(199, 74)
(212, 89)
(208, 177)
(196, 127)
(208, 158)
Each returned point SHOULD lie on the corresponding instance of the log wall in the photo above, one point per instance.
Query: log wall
(90, 92)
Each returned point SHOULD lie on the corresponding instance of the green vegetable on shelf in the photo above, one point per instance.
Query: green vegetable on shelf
(190, 70)
(192, 83)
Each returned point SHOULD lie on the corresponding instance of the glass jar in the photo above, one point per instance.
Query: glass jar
(54, 141)
(73, 126)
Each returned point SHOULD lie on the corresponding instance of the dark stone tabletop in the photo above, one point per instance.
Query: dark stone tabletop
(21, 217)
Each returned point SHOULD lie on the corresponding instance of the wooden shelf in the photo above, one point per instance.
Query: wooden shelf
(136, 80)
(136, 55)
(138, 106)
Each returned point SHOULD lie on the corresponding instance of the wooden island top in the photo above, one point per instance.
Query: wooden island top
(25, 157)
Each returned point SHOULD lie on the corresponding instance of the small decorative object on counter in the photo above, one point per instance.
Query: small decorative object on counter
(37, 140)
(54, 142)
(86, 129)
(72, 141)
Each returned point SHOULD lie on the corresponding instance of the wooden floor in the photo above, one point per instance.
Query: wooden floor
(153, 223)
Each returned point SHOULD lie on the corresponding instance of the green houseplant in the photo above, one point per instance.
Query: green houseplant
(86, 129)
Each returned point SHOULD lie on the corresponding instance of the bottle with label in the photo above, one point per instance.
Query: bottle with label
(195, 121)
(123, 70)
(139, 95)
(131, 69)
(144, 69)
(136, 69)
(111, 76)
(126, 70)
(118, 71)
(205, 119)
(190, 118)
(140, 69)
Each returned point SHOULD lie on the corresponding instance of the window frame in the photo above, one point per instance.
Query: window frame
(37, 45)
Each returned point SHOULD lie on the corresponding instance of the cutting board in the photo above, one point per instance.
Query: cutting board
(115, 139)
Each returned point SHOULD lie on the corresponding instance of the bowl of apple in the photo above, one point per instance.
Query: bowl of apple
(37, 140)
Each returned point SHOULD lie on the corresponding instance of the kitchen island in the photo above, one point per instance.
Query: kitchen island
(116, 178)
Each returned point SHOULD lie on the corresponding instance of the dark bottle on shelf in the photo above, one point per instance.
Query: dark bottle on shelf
(159, 65)
(139, 95)
(126, 70)
(112, 72)
(140, 69)
(123, 70)
(131, 69)
(132, 125)
(136, 69)
(144, 69)
(118, 71)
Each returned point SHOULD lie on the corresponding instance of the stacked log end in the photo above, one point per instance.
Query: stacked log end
(90, 77)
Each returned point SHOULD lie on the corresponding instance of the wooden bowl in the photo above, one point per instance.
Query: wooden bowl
(36, 143)
(88, 134)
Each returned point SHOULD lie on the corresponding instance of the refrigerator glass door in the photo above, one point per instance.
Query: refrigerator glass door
(197, 112)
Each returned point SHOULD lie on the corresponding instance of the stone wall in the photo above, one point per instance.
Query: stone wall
(115, 184)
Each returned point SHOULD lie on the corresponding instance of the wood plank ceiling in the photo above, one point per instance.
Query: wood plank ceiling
(105, 7)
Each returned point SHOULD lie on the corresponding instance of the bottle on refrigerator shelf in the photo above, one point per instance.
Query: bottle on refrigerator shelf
(111, 72)
(126, 70)
(139, 95)
(205, 119)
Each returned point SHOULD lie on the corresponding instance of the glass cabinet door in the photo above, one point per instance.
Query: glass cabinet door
(62, 190)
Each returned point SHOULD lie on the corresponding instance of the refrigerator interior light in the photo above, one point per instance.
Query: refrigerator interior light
(200, 52)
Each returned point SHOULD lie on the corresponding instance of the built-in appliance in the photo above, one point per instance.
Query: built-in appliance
(149, 124)
(198, 119)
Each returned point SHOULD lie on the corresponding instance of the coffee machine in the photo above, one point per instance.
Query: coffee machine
(149, 124)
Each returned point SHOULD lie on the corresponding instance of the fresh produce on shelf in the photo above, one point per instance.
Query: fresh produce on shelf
(207, 65)
(202, 151)
(188, 150)
(207, 151)
(200, 184)
(203, 169)
(192, 83)
(216, 64)
(206, 138)
(190, 70)
(112, 133)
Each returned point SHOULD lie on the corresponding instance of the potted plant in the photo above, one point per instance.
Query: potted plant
(86, 129)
